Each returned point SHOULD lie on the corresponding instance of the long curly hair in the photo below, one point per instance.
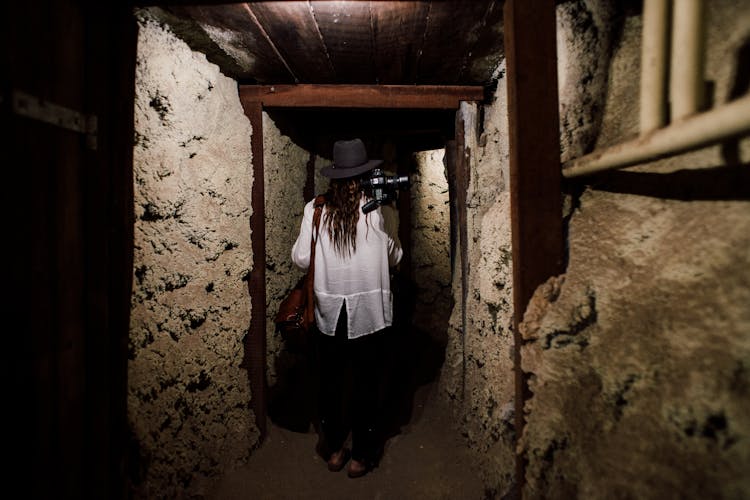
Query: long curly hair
(342, 214)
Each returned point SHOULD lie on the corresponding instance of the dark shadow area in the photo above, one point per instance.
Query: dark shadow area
(730, 150)
(412, 358)
(292, 400)
(316, 129)
(415, 358)
(710, 183)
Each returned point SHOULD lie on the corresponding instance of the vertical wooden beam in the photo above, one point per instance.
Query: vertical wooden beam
(688, 60)
(535, 176)
(654, 64)
(255, 343)
(450, 168)
(462, 184)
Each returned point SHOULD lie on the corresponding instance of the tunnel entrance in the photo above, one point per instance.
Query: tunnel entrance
(396, 121)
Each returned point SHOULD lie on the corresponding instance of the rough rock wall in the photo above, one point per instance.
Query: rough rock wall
(188, 398)
(585, 33)
(638, 355)
(430, 232)
(477, 376)
(285, 171)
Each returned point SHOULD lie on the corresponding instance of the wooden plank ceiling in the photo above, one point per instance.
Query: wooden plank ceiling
(424, 42)
(349, 42)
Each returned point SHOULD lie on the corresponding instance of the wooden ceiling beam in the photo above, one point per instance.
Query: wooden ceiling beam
(361, 96)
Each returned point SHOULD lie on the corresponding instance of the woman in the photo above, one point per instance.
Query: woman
(353, 306)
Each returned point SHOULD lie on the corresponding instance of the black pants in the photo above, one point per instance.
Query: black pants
(350, 378)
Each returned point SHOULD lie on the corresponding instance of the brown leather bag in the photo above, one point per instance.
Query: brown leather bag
(296, 313)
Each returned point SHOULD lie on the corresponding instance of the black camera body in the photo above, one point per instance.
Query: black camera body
(382, 188)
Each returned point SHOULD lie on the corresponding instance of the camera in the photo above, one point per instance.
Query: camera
(382, 188)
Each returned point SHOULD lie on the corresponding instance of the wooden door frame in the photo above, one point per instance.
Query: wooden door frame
(254, 99)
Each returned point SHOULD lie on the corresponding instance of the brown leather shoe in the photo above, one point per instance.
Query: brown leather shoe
(357, 469)
(337, 460)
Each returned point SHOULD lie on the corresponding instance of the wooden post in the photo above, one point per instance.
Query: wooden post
(255, 344)
(535, 176)
(462, 185)
(450, 168)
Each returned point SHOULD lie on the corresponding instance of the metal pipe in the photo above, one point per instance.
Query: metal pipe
(654, 56)
(686, 86)
(710, 127)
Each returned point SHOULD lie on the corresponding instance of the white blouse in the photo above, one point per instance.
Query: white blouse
(361, 280)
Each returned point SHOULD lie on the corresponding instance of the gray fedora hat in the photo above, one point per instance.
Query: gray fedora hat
(349, 160)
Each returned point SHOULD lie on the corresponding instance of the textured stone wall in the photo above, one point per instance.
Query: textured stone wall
(430, 234)
(285, 171)
(188, 398)
(477, 376)
(638, 355)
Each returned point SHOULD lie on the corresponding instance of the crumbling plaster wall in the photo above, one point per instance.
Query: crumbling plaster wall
(638, 355)
(188, 397)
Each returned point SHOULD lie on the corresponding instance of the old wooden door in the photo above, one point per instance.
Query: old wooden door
(67, 86)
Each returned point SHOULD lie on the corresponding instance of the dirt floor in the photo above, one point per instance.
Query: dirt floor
(426, 460)
(425, 456)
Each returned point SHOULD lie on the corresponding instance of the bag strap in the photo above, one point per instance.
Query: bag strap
(320, 200)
